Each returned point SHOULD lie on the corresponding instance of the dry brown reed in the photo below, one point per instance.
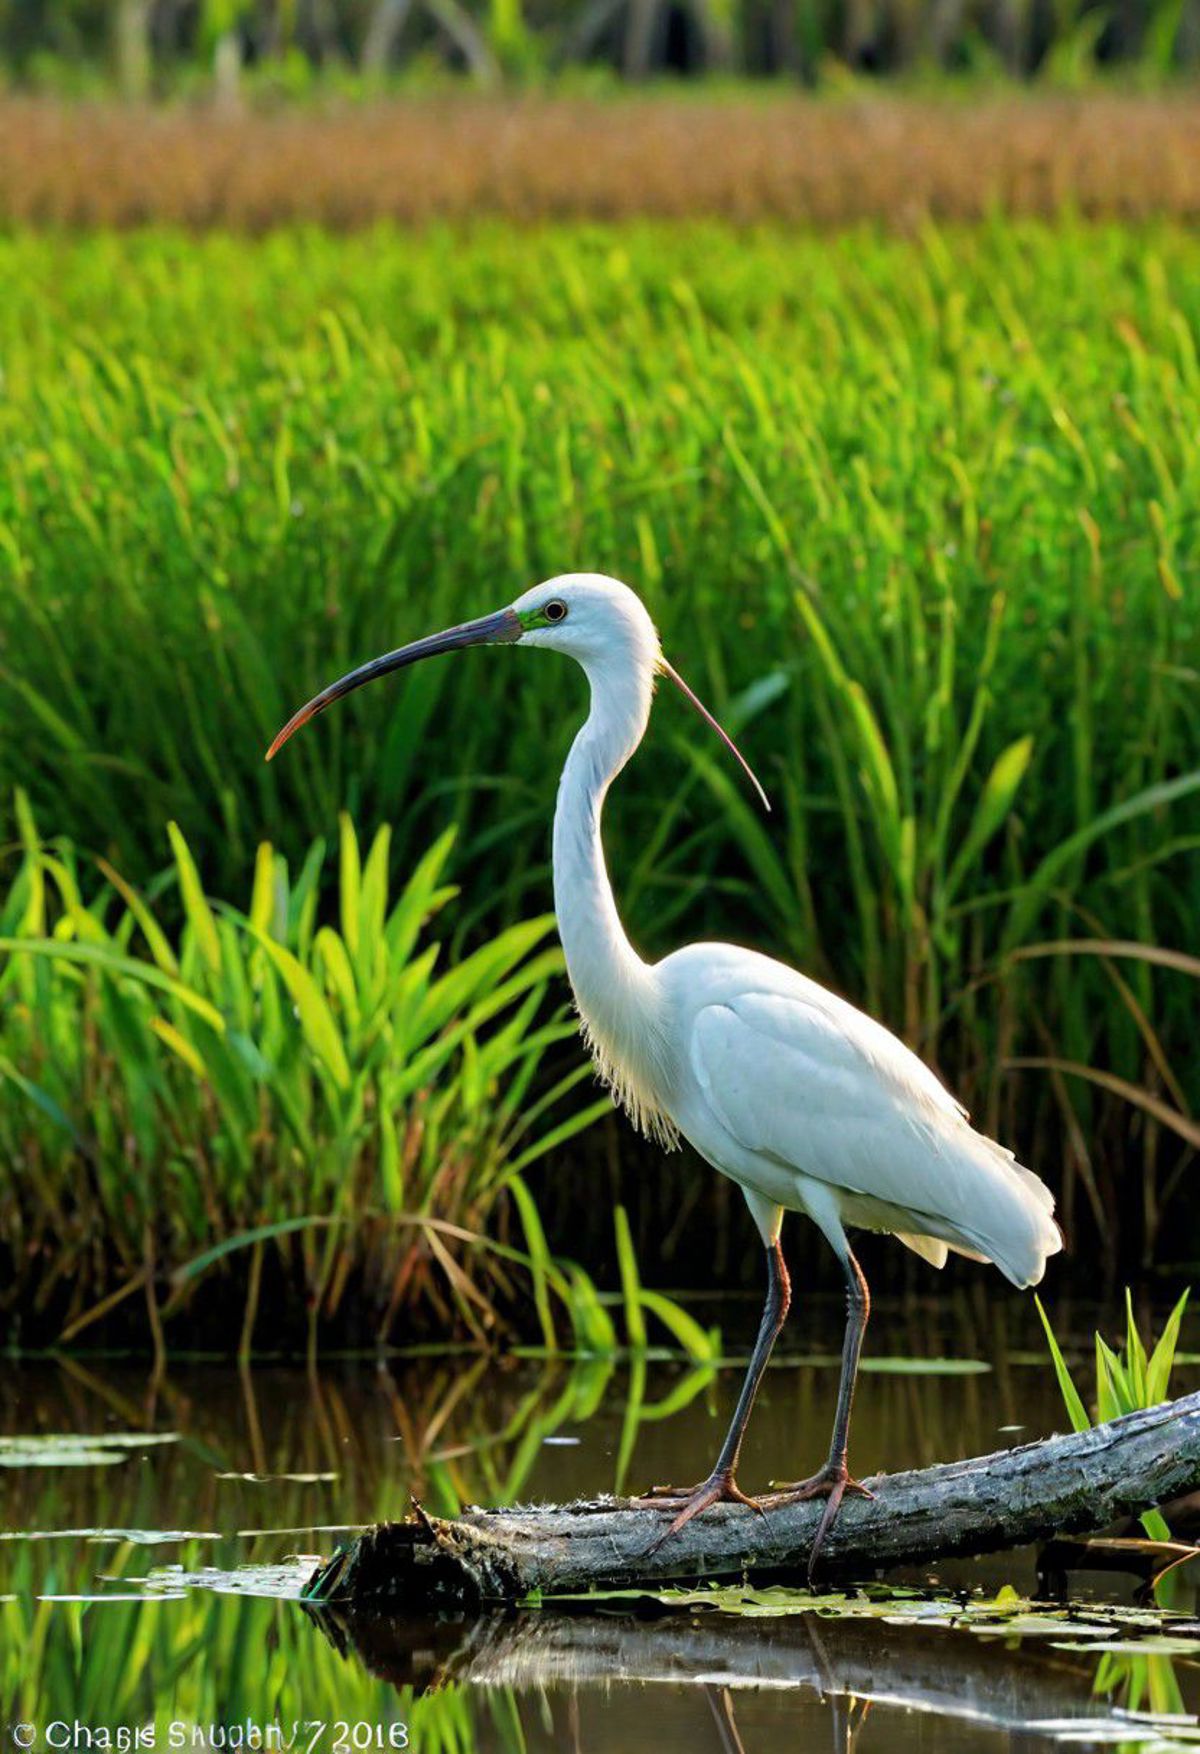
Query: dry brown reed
(890, 158)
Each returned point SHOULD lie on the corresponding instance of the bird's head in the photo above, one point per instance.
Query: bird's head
(598, 621)
(594, 619)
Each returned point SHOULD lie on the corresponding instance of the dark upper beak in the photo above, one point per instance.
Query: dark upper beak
(502, 628)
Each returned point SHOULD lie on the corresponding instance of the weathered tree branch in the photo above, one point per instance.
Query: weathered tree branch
(1061, 1486)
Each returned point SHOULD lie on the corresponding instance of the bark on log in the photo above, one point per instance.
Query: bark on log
(1060, 1486)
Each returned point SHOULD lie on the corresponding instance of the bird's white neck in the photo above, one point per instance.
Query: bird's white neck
(615, 990)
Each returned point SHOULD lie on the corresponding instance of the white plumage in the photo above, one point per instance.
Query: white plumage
(814, 1105)
(807, 1103)
(804, 1101)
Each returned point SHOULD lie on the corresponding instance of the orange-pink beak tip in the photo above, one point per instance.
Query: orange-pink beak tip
(293, 724)
(502, 628)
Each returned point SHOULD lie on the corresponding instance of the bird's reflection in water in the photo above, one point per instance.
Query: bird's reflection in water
(747, 1684)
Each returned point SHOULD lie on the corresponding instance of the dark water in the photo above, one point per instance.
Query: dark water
(149, 1586)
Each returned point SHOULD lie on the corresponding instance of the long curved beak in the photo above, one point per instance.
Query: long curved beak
(502, 628)
(727, 740)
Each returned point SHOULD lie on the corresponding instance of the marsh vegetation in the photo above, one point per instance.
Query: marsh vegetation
(286, 1059)
(927, 547)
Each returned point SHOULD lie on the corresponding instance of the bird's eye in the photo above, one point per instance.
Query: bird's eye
(555, 611)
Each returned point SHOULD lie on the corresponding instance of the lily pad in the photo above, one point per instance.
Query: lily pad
(136, 1537)
(283, 1581)
(1095, 1626)
(79, 1450)
(268, 1479)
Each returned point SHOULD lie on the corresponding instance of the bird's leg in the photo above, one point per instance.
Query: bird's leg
(834, 1480)
(721, 1485)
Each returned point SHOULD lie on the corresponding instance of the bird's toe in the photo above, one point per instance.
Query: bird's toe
(657, 1497)
(829, 1483)
(719, 1488)
(832, 1484)
(829, 1516)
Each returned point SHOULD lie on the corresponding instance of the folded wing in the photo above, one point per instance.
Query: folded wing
(821, 1087)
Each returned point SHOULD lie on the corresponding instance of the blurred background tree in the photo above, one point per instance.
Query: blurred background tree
(148, 47)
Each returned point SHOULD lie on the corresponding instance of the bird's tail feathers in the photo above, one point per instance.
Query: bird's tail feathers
(1018, 1234)
(1021, 1249)
(936, 1249)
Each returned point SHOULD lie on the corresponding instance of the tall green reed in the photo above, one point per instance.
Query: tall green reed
(1139, 1375)
(914, 514)
(299, 1102)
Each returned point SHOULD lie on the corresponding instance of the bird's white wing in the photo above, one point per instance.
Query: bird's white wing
(818, 1086)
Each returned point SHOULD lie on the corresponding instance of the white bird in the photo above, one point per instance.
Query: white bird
(805, 1102)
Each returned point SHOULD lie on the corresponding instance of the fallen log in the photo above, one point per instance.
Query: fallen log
(1059, 1486)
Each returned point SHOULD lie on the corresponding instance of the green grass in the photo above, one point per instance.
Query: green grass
(1137, 1377)
(917, 517)
(307, 1106)
(311, 1115)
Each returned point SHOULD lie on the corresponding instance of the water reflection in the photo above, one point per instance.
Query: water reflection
(178, 1555)
(949, 1675)
(458, 1427)
(216, 1661)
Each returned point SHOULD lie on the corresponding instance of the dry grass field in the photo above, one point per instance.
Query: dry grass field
(825, 162)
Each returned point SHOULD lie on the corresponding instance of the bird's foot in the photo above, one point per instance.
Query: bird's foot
(832, 1484)
(689, 1501)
